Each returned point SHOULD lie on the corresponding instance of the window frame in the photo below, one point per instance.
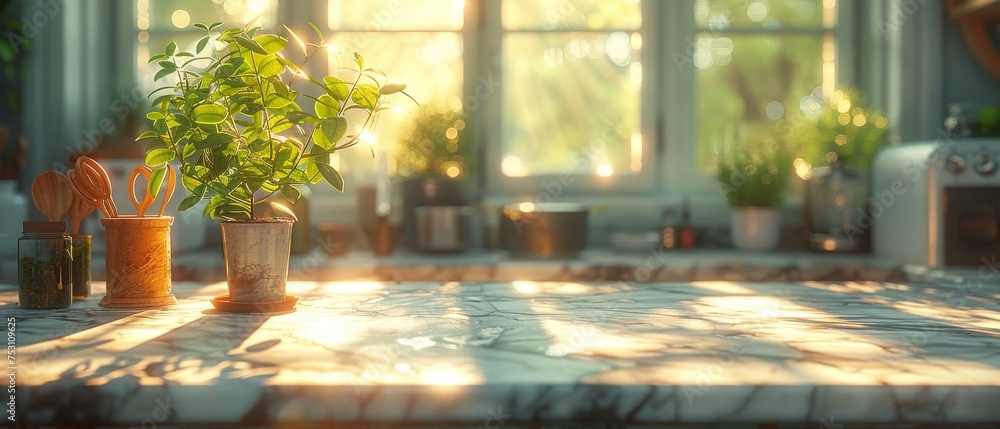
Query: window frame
(682, 176)
(558, 186)
(669, 143)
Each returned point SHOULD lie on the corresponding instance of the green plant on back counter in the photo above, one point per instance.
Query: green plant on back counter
(437, 142)
(842, 128)
(756, 174)
(235, 123)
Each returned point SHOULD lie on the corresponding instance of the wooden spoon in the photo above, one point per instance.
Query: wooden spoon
(53, 194)
(77, 211)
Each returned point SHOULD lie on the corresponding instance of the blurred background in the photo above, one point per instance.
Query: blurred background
(633, 109)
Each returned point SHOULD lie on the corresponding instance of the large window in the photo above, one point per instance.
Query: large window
(571, 89)
(757, 61)
(610, 92)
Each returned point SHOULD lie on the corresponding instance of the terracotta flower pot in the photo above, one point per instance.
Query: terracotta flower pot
(138, 261)
(256, 259)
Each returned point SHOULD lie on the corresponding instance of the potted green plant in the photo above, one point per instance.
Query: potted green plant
(753, 178)
(435, 156)
(834, 141)
(236, 127)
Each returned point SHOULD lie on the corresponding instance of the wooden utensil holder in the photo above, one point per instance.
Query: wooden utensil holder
(138, 261)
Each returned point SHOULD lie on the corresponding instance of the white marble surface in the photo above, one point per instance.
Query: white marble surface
(485, 354)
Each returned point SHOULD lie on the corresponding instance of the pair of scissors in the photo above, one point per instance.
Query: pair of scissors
(148, 198)
(92, 184)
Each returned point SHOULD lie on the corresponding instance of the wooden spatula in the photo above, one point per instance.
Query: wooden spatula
(53, 194)
(77, 211)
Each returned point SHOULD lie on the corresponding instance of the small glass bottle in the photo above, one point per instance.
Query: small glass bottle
(686, 231)
(45, 266)
(81, 266)
(669, 231)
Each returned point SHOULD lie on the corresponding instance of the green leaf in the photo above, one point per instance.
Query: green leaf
(201, 26)
(276, 101)
(331, 175)
(188, 151)
(214, 24)
(302, 44)
(250, 44)
(290, 193)
(271, 43)
(279, 123)
(171, 48)
(158, 101)
(301, 117)
(202, 43)
(376, 71)
(213, 204)
(156, 58)
(283, 160)
(326, 106)
(209, 114)
(164, 72)
(213, 141)
(360, 60)
(188, 202)
(366, 95)
(154, 115)
(336, 88)
(322, 39)
(158, 157)
(331, 130)
(392, 88)
(156, 180)
(269, 66)
(148, 134)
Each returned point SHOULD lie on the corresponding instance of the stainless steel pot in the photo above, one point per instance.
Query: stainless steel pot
(442, 228)
(543, 230)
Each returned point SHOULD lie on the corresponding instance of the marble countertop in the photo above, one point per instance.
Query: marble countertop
(805, 354)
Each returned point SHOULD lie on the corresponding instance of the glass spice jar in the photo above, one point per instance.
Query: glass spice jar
(81, 266)
(45, 266)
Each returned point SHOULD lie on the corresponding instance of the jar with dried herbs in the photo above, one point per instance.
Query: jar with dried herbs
(45, 266)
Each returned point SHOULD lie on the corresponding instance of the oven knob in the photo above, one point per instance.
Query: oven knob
(987, 166)
(955, 163)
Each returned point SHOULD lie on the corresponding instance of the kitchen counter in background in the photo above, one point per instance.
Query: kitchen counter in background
(592, 265)
(800, 354)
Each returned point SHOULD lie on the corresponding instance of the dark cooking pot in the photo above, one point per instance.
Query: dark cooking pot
(543, 230)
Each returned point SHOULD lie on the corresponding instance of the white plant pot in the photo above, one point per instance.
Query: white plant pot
(756, 228)
(256, 260)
